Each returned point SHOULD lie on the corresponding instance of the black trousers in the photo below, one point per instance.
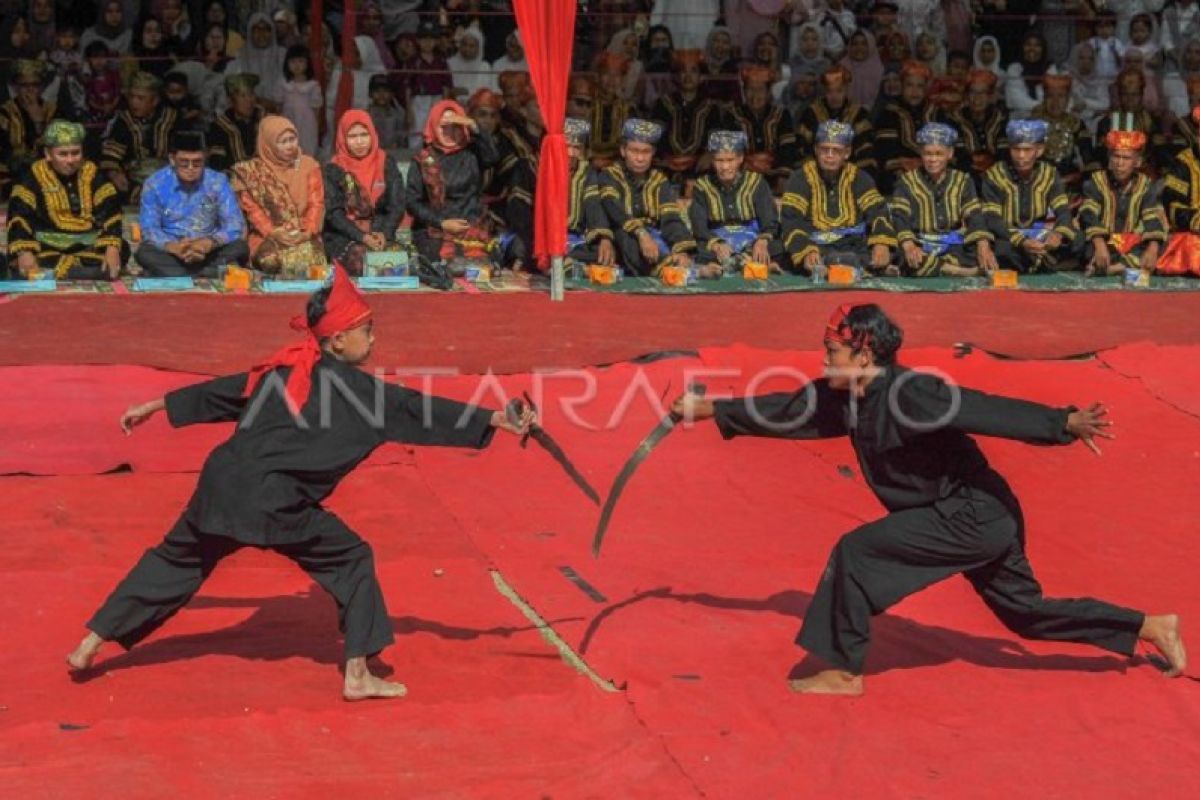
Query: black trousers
(1010, 257)
(875, 566)
(161, 264)
(166, 577)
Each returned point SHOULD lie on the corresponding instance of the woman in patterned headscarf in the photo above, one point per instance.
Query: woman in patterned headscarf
(282, 195)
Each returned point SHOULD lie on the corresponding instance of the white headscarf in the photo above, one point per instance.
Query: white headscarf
(265, 62)
(995, 65)
(473, 74)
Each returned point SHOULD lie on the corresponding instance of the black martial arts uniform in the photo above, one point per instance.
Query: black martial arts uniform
(949, 511)
(264, 486)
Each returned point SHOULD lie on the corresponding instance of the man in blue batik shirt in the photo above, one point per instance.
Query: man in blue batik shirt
(190, 218)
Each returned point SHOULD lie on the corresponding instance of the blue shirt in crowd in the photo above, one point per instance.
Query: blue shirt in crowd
(208, 208)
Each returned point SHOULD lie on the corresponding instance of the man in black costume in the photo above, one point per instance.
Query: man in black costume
(306, 417)
(949, 512)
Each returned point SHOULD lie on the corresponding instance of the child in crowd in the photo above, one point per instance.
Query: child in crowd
(1109, 50)
(387, 115)
(302, 98)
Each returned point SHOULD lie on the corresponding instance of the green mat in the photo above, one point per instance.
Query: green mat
(1050, 282)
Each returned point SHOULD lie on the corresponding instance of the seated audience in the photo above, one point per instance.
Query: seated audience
(136, 145)
(22, 120)
(64, 218)
(445, 193)
(642, 206)
(233, 136)
(940, 223)
(1068, 143)
(364, 194)
(733, 214)
(282, 197)
(770, 131)
(610, 110)
(1028, 205)
(981, 123)
(687, 117)
(190, 220)
(896, 148)
(1122, 215)
(832, 212)
(1181, 196)
(837, 105)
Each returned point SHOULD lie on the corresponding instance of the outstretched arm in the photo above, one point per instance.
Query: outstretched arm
(813, 412)
(421, 419)
(136, 415)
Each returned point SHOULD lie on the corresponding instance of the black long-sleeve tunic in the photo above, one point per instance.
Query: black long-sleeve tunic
(907, 458)
(462, 177)
(264, 485)
(343, 193)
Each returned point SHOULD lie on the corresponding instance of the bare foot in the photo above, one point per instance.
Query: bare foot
(830, 681)
(360, 684)
(83, 655)
(1162, 631)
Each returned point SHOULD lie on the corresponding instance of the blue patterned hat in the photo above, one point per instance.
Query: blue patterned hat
(832, 131)
(1026, 131)
(577, 131)
(727, 142)
(641, 130)
(937, 133)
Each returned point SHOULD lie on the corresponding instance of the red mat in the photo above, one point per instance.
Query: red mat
(704, 579)
(521, 332)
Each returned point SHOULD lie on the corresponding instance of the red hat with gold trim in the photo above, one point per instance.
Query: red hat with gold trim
(758, 75)
(686, 58)
(837, 75)
(913, 67)
(982, 76)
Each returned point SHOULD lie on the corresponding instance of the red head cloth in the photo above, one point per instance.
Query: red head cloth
(368, 171)
(757, 75)
(1125, 140)
(612, 62)
(681, 59)
(984, 77)
(1196, 115)
(837, 75)
(435, 136)
(485, 98)
(345, 309)
(838, 329)
(916, 68)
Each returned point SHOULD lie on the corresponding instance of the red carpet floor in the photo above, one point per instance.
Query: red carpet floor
(706, 574)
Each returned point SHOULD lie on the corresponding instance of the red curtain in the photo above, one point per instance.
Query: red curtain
(548, 33)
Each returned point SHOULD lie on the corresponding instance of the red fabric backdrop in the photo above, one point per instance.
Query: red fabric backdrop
(345, 89)
(548, 33)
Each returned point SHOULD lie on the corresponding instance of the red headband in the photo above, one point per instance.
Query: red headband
(838, 329)
(345, 310)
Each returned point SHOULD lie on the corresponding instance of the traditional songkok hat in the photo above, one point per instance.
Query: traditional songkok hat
(913, 67)
(686, 58)
(1125, 140)
(984, 76)
(187, 141)
(837, 75)
(485, 98)
(582, 86)
(757, 75)
(577, 131)
(145, 82)
(727, 142)
(612, 62)
(26, 70)
(1026, 131)
(937, 133)
(241, 83)
(61, 133)
(641, 130)
(345, 310)
(832, 131)
(1060, 83)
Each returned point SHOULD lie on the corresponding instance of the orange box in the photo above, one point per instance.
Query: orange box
(237, 277)
(318, 272)
(842, 274)
(754, 271)
(674, 276)
(1004, 279)
(135, 232)
(601, 274)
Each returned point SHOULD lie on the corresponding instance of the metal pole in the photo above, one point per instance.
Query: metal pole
(557, 288)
